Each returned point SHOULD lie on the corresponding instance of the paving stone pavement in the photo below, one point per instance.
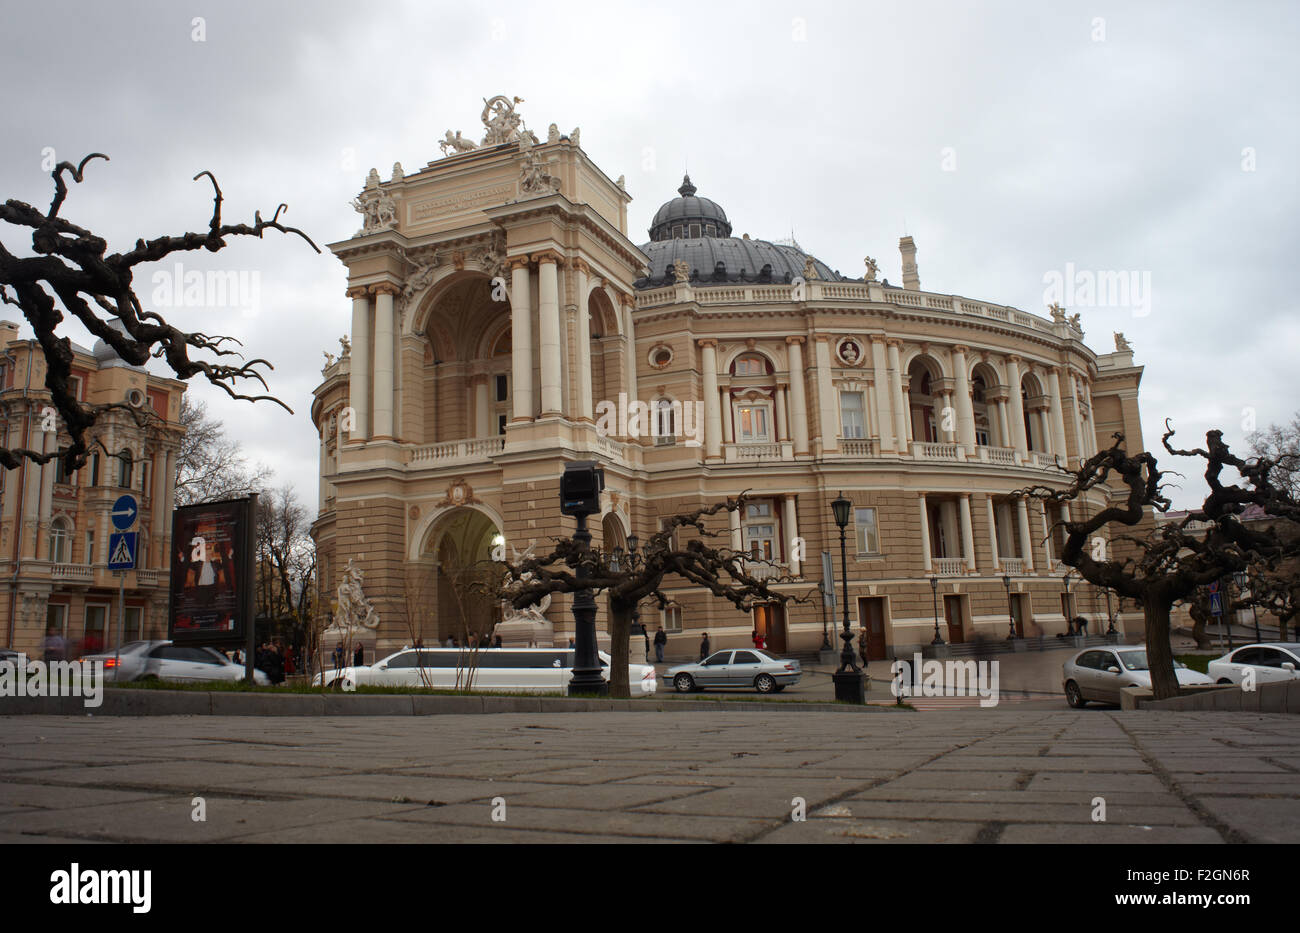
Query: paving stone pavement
(1017, 775)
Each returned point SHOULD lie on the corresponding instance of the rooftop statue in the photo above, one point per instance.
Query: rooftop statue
(1121, 344)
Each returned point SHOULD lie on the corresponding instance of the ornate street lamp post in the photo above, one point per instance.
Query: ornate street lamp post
(1069, 606)
(934, 590)
(1011, 617)
(580, 487)
(637, 630)
(850, 682)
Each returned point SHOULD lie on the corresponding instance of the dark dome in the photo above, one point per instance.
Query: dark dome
(680, 214)
(759, 260)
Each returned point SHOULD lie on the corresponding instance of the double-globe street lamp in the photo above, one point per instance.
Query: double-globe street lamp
(934, 590)
(580, 487)
(850, 681)
(1011, 616)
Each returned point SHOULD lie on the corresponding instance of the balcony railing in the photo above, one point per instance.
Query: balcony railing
(859, 446)
(949, 566)
(1004, 456)
(475, 448)
(1013, 565)
(763, 570)
(924, 450)
(72, 573)
(749, 453)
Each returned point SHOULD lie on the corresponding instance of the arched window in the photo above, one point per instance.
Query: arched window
(125, 469)
(663, 423)
(751, 364)
(59, 538)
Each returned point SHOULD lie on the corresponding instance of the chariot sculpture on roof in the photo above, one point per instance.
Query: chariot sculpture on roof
(502, 122)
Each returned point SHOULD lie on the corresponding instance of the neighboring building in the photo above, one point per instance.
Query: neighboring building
(55, 531)
(499, 310)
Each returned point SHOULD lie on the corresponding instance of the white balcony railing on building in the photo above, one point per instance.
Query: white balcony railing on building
(1043, 461)
(949, 566)
(1004, 456)
(859, 446)
(475, 448)
(1013, 565)
(72, 573)
(752, 453)
(763, 570)
(929, 451)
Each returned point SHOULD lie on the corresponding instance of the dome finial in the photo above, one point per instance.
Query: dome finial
(687, 189)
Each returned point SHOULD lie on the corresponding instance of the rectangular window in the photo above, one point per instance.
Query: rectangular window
(57, 616)
(865, 533)
(93, 637)
(695, 231)
(752, 424)
(672, 617)
(134, 618)
(759, 531)
(90, 547)
(501, 424)
(74, 387)
(94, 470)
(60, 475)
(503, 388)
(852, 423)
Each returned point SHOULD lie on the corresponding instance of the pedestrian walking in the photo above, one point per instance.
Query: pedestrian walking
(338, 656)
(55, 646)
(704, 646)
(862, 646)
(359, 655)
(660, 640)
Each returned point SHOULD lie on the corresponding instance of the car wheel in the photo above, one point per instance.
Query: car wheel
(1073, 696)
(684, 683)
(764, 683)
(1224, 680)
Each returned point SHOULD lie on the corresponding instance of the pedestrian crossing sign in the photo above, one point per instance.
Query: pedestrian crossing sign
(121, 550)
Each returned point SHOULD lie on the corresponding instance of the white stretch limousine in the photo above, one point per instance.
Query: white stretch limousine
(512, 670)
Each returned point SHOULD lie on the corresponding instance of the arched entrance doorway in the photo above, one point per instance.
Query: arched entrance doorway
(454, 579)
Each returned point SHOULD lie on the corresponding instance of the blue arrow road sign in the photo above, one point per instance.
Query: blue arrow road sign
(124, 512)
(121, 550)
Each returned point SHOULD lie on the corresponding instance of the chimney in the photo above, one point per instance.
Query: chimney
(8, 333)
(910, 279)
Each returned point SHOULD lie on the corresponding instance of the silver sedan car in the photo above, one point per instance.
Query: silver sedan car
(1101, 673)
(739, 668)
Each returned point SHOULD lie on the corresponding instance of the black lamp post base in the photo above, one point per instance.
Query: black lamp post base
(850, 687)
(588, 686)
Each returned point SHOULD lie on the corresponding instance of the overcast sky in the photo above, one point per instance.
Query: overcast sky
(1011, 140)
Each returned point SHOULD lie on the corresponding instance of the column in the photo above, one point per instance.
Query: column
(736, 541)
(1065, 532)
(967, 534)
(782, 428)
(359, 374)
(384, 346)
(482, 411)
(798, 399)
(633, 390)
(883, 394)
(790, 521)
(49, 443)
(1004, 438)
(869, 418)
(827, 416)
(1026, 544)
(728, 415)
(1057, 414)
(993, 535)
(925, 533)
(944, 402)
(1017, 407)
(1077, 419)
(521, 338)
(965, 408)
(585, 410)
(1047, 538)
(548, 331)
(324, 433)
(712, 410)
(901, 427)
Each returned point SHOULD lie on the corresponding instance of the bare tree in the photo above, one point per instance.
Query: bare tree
(71, 271)
(1282, 444)
(286, 561)
(209, 465)
(724, 572)
(1170, 565)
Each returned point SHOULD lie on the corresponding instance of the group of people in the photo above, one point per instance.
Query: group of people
(276, 660)
(358, 655)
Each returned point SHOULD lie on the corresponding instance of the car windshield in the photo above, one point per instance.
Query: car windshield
(1134, 660)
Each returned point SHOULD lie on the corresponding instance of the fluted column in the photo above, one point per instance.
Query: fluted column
(900, 400)
(925, 533)
(385, 340)
(324, 434)
(967, 533)
(585, 409)
(712, 410)
(965, 408)
(782, 428)
(1026, 543)
(1017, 407)
(158, 497)
(1058, 412)
(548, 331)
(521, 340)
(798, 398)
(359, 387)
(728, 415)
(942, 404)
(883, 395)
(482, 412)
(1047, 539)
(827, 417)
(790, 520)
(736, 540)
(49, 442)
(993, 534)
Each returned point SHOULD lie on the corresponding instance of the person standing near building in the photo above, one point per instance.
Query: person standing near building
(704, 646)
(55, 646)
(359, 656)
(660, 640)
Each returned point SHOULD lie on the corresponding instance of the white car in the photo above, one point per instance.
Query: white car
(162, 660)
(508, 670)
(1271, 662)
(1101, 673)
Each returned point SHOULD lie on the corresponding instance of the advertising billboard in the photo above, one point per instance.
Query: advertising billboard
(211, 572)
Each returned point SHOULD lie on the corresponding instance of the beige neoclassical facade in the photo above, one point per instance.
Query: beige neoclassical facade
(503, 323)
